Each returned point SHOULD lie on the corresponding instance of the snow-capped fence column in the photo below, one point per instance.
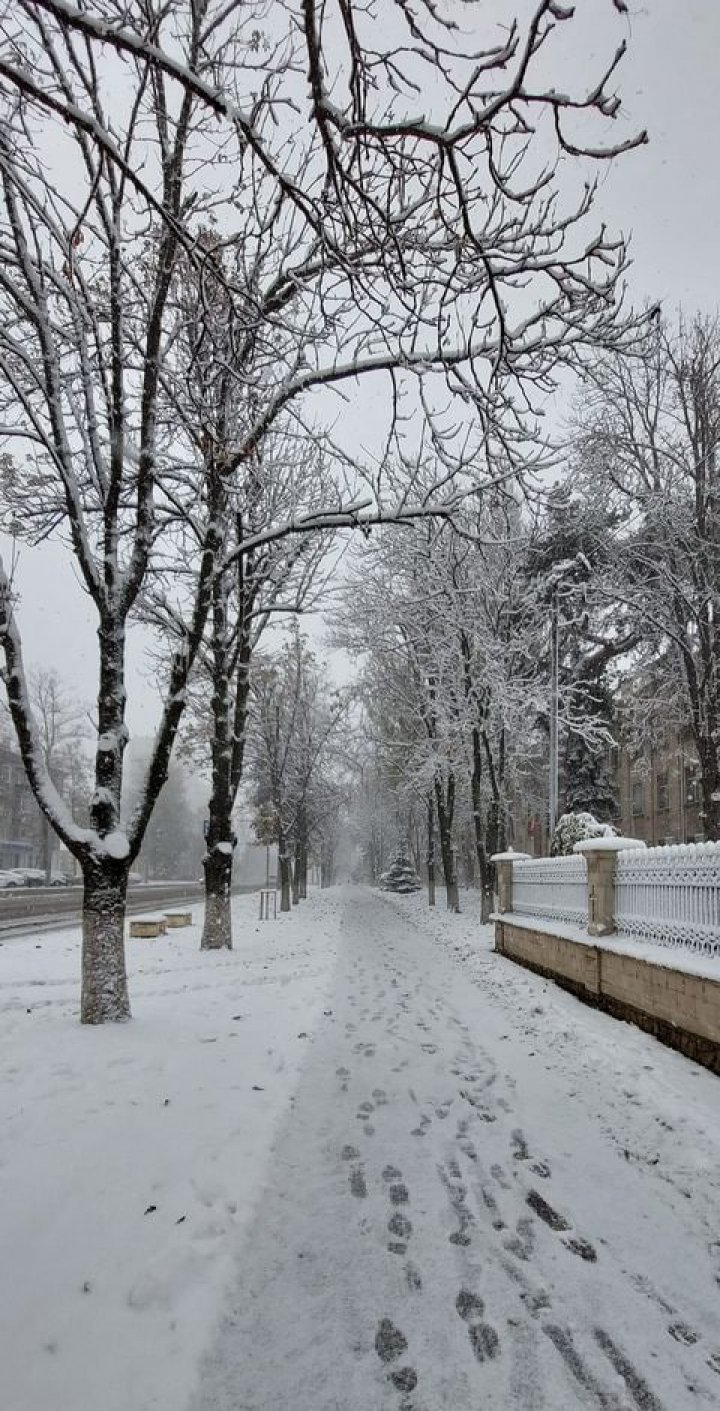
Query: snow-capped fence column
(504, 862)
(600, 855)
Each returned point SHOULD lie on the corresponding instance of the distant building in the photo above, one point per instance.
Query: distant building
(22, 825)
(20, 818)
(658, 789)
(659, 792)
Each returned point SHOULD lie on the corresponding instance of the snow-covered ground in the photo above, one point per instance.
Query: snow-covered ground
(132, 1156)
(362, 1162)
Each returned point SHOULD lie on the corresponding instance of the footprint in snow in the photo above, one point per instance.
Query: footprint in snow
(413, 1278)
(576, 1244)
(542, 1169)
(390, 1344)
(484, 1340)
(682, 1333)
(519, 1145)
(358, 1185)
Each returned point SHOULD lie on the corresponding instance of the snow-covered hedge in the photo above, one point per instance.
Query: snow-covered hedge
(574, 828)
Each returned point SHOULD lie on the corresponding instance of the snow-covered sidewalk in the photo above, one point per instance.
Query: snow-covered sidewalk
(411, 1176)
(132, 1157)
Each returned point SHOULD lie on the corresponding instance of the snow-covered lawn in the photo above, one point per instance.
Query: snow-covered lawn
(359, 1132)
(132, 1155)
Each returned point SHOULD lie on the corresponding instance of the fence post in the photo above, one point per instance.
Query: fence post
(600, 855)
(504, 862)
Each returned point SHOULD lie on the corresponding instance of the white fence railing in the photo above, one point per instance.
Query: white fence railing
(554, 888)
(670, 895)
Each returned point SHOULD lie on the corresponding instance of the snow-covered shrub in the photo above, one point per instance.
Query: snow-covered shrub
(400, 876)
(574, 828)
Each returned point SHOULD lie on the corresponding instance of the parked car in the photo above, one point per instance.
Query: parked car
(30, 876)
(36, 877)
(11, 879)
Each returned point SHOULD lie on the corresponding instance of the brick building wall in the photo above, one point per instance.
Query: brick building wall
(658, 794)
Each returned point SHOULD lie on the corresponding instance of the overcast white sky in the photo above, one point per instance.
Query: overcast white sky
(666, 197)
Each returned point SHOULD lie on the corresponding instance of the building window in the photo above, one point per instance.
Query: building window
(692, 784)
(663, 792)
(638, 802)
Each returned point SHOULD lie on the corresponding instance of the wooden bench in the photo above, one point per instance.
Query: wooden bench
(148, 930)
(176, 919)
(265, 894)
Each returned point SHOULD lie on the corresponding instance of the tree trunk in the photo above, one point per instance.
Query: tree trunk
(303, 880)
(104, 996)
(284, 869)
(431, 851)
(485, 867)
(47, 850)
(445, 811)
(217, 927)
(296, 873)
(710, 785)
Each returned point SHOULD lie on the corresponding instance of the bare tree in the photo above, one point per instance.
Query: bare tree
(63, 733)
(269, 583)
(434, 251)
(651, 431)
(296, 724)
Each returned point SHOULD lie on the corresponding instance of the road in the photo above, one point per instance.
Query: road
(26, 910)
(486, 1196)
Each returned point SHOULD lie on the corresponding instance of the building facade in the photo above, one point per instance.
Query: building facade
(658, 792)
(20, 818)
(23, 828)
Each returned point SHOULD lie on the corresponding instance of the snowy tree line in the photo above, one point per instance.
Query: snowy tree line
(623, 552)
(217, 222)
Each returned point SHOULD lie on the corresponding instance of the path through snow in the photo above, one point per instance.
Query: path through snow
(486, 1195)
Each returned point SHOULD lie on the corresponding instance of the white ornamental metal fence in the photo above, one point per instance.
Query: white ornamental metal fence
(554, 888)
(670, 895)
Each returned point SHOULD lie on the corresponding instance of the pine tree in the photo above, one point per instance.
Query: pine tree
(400, 876)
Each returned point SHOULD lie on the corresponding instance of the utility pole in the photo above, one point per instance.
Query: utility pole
(554, 663)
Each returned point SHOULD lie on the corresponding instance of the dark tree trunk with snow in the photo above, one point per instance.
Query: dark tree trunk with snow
(217, 927)
(445, 802)
(296, 872)
(431, 850)
(284, 869)
(485, 868)
(104, 981)
(218, 861)
(47, 847)
(231, 656)
(301, 855)
(710, 785)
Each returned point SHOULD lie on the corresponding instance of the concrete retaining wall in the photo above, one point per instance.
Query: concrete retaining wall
(681, 1010)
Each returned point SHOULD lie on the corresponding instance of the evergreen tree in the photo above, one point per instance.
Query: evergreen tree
(400, 876)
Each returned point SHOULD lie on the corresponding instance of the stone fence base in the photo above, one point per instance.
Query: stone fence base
(680, 1009)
